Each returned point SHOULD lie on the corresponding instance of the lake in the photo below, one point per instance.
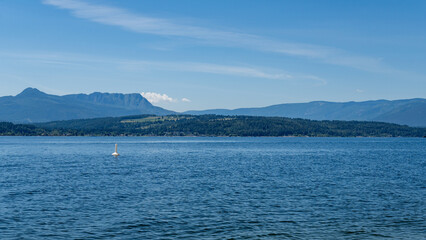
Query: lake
(212, 188)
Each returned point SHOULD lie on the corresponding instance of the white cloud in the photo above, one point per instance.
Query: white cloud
(153, 97)
(148, 25)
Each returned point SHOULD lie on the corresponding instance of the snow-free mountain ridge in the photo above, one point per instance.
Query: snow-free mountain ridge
(32, 105)
(410, 112)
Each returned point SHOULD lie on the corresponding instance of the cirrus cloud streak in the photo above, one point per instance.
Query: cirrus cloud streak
(81, 60)
(114, 16)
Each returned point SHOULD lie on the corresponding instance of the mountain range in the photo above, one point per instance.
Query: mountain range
(410, 112)
(32, 105)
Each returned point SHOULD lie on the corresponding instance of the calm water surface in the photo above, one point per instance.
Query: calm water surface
(212, 188)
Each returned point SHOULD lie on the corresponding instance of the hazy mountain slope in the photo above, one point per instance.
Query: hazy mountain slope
(411, 111)
(33, 105)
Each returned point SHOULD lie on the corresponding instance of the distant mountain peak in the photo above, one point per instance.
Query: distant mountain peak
(33, 105)
(29, 92)
(130, 100)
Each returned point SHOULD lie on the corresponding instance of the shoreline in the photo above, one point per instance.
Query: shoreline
(206, 136)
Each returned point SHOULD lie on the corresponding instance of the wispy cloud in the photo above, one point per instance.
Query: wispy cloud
(185, 100)
(158, 26)
(241, 71)
(76, 60)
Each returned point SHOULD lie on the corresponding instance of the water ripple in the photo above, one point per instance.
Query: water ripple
(212, 188)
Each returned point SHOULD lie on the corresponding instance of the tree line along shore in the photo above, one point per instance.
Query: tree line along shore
(209, 125)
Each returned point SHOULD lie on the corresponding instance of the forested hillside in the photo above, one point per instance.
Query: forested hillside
(211, 125)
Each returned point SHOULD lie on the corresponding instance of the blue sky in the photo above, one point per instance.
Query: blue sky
(216, 54)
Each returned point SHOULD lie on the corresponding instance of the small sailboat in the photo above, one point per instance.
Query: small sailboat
(115, 154)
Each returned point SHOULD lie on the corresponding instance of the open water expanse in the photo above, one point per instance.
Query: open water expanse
(212, 188)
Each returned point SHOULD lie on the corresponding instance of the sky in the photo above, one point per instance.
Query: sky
(193, 55)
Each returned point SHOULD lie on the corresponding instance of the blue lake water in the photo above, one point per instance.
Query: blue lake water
(212, 188)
